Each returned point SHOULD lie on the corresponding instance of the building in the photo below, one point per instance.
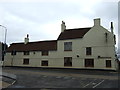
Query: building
(84, 48)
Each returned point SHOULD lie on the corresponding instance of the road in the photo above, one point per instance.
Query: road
(63, 78)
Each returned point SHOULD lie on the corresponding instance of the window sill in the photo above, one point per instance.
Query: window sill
(89, 66)
(67, 66)
(67, 50)
(108, 67)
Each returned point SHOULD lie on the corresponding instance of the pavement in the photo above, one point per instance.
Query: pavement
(7, 79)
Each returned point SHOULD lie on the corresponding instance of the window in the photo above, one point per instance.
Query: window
(44, 53)
(106, 36)
(26, 52)
(13, 53)
(114, 39)
(88, 51)
(67, 46)
(67, 61)
(108, 63)
(44, 63)
(89, 62)
(26, 61)
(33, 52)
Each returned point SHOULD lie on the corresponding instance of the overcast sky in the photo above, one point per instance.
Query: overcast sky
(41, 19)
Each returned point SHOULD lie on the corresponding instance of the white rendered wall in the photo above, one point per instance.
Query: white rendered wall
(94, 38)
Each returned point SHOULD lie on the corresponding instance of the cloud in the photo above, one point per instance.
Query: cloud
(107, 9)
(42, 19)
(41, 11)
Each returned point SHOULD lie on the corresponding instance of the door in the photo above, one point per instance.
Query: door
(67, 61)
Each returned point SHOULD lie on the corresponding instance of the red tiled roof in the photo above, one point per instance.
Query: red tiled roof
(49, 45)
(33, 46)
(73, 33)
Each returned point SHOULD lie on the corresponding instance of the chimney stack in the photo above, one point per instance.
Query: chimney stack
(111, 27)
(97, 22)
(26, 39)
(63, 26)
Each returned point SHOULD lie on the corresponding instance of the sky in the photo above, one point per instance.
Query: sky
(42, 19)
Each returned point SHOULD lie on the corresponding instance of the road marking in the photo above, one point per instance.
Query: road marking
(98, 84)
(58, 77)
(66, 77)
(113, 72)
(89, 83)
(44, 76)
(93, 83)
(73, 78)
(13, 82)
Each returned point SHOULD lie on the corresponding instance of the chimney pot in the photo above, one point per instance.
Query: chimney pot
(112, 27)
(27, 35)
(26, 39)
(63, 26)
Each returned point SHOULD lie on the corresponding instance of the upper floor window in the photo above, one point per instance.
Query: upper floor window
(88, 51)
(67, 46)
(26, 52)
(114, 39)
(13, 53)
(45, 53)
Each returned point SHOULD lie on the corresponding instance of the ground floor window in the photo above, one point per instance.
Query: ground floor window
(44, 63)
(26, 61)
(108, 63)
(67, 61)
(89, 62)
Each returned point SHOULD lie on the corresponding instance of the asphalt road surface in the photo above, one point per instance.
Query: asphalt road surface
(63, 78)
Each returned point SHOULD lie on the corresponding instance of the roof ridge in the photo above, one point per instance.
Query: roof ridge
(43, 41)
(79, 28)
(36, 41)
